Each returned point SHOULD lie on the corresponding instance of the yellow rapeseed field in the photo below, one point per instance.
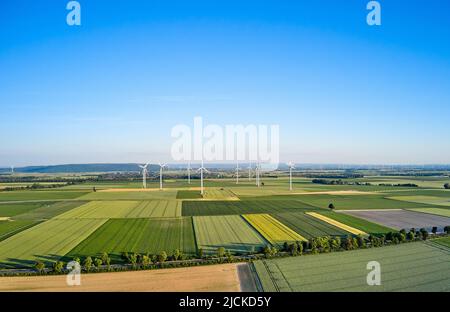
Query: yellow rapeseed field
(336, 223)
(273, 230)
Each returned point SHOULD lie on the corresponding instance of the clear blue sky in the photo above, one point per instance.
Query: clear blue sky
(112, 89)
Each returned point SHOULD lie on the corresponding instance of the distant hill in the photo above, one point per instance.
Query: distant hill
(77, 168)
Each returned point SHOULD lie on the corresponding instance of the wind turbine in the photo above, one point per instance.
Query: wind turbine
(189, 172)
(291, 166)
(237, 173)
(258, 168)
(161, 167)
(201, 169)
(144, 175)
(12, 170)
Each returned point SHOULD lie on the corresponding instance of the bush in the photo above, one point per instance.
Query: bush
(220, 252)
(40, 267)
(447, 229)
(88, 264)
(331, 206)
(447, 186)
(162, 256)
(58, 266)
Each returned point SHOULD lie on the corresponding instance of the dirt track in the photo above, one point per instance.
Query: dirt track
(222, 277)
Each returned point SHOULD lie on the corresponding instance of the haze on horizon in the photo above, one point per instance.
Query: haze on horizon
(111, 90)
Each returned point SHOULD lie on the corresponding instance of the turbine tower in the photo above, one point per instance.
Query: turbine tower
(12, 170)
(161, 167)
(144, 175)
(201, 169)
(237, 173)
(189, 172)
(291, 166)
(258, 169)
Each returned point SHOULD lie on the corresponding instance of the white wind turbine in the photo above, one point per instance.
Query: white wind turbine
(257, 169)
(291, 166)
(237, 173)
(189, 172)
(12, 170)
(144, 174)
(161, 167)
(201, 169)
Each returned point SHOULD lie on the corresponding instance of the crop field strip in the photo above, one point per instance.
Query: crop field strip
(132, 196)
(357, 223)
(308, 226)
(13, 209)
(273, 230)
(346, 271)
(100, 210)
(39, 195)
(10, 228)
(216, 208)
(401, 219)
(187, 194)
(231, 232)
(47, 241)
(338, 224)
(219, 194)
(436, 211)
(49, 211)
(424, 200)
(156, 209)
(139, 235)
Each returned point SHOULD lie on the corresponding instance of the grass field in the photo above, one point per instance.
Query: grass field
(308, 226)
(13, 209)
(445, 241)
(10, 228)
(358, 223)
(215, 208)
(47, 241)
(421, 199)
(273, 230)
(139, 235)
(406, 267)
(338, 224)
(135, 195)
(156, 209)
(436, 211)
(230, 232)
(183, 194)
(39, 195)
(48, 211)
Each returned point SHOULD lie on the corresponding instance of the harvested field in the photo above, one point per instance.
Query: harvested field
(231, 232)
(139, 235)
(47, 241)
(273, 230)
(337, 224)
(308, 226)
(406, 267)
(402, 219)
(193, 279)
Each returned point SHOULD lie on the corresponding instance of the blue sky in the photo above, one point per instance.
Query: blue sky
(111, 89)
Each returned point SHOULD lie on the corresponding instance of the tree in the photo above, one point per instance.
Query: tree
(285, 246)
(176, 254)
(162, 256)
(361, 241)
(447, 186)
(145, 261)
(220, 252)
(300, 248)
(98, 262)
(200, 253)
(434, 230)
(229, 256)
(133, 259)
(410, 236)
(58, 266)
(424, 233)
(293, 249)
(331, 206)
(40, 267)
(447, 229)
(88, 264)
(336, 243)
(76, 259)
(106, 260)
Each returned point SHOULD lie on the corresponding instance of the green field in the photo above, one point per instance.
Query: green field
(136, 195)
(188, 194)
(445, 241)
(214, 208)
(10, 228)
(47, 241)
(405, 267)
(139, 235)
(13, 209)
(101, 210)
(230, 232)
(360, 224)
(422, 199)
(155, 209)
(308, 226)
(437, 211)
(39, 195)
(47, 211)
